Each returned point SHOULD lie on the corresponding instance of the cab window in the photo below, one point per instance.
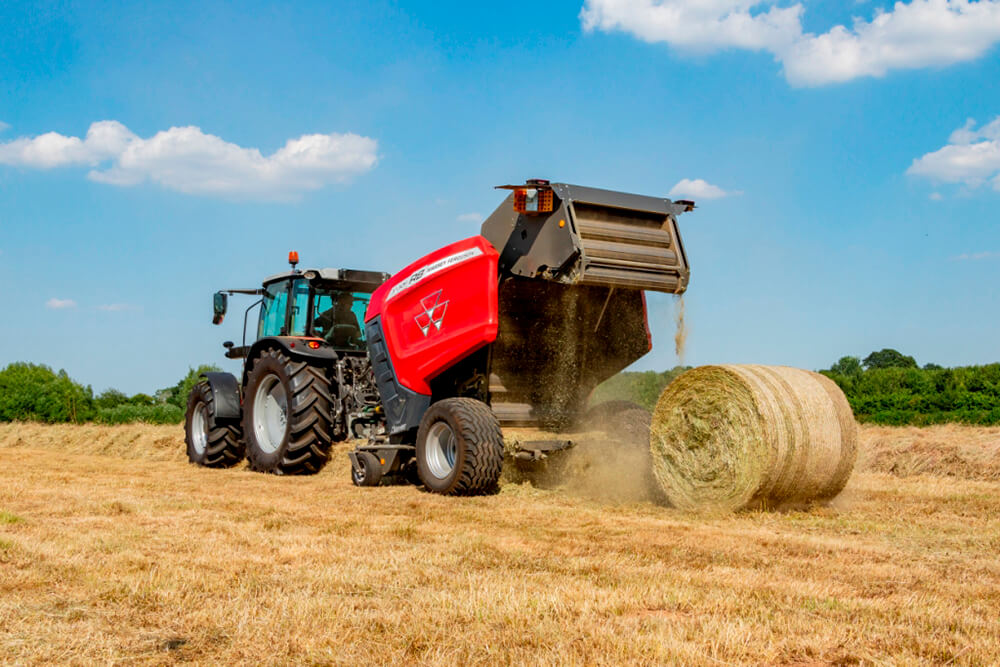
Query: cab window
(338, 317)
(273, 310)
(300, 307)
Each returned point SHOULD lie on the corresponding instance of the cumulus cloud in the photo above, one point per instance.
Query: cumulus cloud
(4, 126)
(971, 157)
(60, 304)
(700, 189)
(469, 217)
(190, 161)
(696, 25)
(918, 34)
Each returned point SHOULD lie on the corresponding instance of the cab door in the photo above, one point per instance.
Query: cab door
(274, 310)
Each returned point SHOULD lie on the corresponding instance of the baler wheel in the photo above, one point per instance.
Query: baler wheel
(368, 472)
(287, 417)
(460, 448)
(211, 442)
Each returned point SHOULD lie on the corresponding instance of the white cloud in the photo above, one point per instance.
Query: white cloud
(697, 25)
(188, 160)
(115, 307)
(918, 34)
(470, 217)
(4, 126)
(977, 255)
(104, 141)
(935, 196)
(700, 189)
(60, 304)
(971, 157)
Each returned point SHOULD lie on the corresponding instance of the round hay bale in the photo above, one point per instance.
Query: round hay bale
(735, 437)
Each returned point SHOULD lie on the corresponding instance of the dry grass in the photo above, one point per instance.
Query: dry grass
(108, 559)
(967, 452)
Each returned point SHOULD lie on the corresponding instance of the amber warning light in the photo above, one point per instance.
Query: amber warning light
(293, 258)
(533, 200)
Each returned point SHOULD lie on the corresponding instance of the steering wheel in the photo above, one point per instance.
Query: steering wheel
(343, 332)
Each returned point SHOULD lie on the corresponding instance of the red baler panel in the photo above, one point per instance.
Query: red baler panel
(438, 310)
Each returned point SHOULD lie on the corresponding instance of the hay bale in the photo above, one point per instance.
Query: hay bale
(735, 437)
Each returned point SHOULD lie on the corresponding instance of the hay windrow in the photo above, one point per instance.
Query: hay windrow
(733, 437)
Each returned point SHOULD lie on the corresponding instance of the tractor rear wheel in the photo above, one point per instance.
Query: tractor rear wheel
(211, 442)
(460, 448)
(287, 416)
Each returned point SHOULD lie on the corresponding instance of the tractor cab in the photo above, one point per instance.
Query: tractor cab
(324, 306)
(327, 304)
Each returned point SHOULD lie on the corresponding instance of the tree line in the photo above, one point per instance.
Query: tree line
(35, 392)
(886, 387)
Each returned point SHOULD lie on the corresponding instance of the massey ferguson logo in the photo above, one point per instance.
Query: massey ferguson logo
(433, 313)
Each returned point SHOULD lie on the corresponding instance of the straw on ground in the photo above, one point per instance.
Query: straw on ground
(136, 560)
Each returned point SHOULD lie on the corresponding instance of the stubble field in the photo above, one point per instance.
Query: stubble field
(114, 550)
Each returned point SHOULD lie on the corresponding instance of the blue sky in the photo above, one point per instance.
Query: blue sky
(846, 203)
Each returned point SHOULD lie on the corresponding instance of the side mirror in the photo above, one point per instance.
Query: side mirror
(219, 305)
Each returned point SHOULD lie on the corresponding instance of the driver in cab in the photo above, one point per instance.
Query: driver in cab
(339, 325)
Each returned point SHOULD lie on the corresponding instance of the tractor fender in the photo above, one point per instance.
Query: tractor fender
(295, 347)
(225, 394)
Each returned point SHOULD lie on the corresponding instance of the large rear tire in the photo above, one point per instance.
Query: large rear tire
(287, 417)
(460, 448)
(211, 442)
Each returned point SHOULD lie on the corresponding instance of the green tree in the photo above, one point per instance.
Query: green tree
(178, 394)
(34, 392)
(847, 366)
(110, 398)
(889, 358)
(933, 367)
(141, 399)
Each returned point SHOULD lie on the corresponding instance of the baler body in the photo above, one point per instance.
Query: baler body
(530, 316)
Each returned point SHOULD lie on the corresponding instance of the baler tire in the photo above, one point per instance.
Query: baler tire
(211, 442)
(309, 431)
(370, 472)
(478, 459)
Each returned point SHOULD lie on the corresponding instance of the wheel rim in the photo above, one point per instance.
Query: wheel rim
(360, 472)
(270, 414)
(441, 450)
(199, 429)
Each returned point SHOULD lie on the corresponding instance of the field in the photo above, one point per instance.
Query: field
(114, 550)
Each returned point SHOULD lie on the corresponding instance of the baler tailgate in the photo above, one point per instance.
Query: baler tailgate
(592, 237)
(627, 248)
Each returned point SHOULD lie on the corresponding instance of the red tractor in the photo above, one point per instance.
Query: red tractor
(515, 326)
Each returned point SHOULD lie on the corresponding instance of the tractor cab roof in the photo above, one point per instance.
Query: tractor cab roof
(352, 279)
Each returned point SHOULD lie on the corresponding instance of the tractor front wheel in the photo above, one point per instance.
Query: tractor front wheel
(287, 415)
(460, 448)
(211, 442)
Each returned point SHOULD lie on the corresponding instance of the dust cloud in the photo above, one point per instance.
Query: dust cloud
(610, 461)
